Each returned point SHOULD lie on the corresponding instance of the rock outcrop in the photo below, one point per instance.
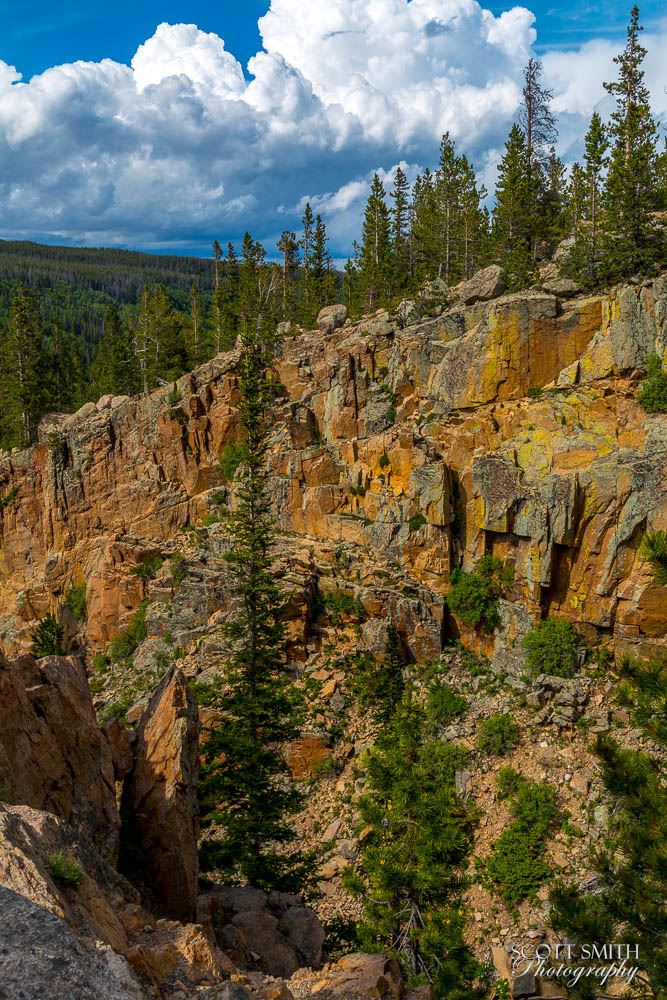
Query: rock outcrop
(160, 809)
(52, 753)
(388, 436)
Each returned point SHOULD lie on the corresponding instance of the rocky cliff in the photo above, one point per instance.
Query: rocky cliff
(418, 442)
(402, 446)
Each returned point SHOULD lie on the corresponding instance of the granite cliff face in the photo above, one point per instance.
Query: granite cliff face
(402, 447)
(508, 426)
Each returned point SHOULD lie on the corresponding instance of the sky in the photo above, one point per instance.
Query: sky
(164, 125)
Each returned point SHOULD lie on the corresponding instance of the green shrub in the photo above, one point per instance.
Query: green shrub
(47, 638)
(416, 522)
(378, 684)
(123, 646)
(179, 570)
(508, 782)
(75, 600)
(65, 869)
(340, 602)
(231, 457)
(654, 550)
(552, 648)
(497, 735)
(474, 597)
(148, 567)
(516, 867)
(653, 393)
(384, 460)
(444, 704)
(9, 497)
(175, 396)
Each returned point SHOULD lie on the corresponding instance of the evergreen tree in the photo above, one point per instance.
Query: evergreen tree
(631, 866)
(539, 127)
(22, 370)
(230, 300)
(474, 222)
(324, 286)
(400, 232)
(246, 793)
(288, 245)
(553, 199)
(218, 305)
(584, 258)
(114, 370)
(352, 291)
(630, 191)
(159, 343)
(513, 212)
(64, 387)
(410, 870)
(376, 248)
(307, 238)
(197, 346)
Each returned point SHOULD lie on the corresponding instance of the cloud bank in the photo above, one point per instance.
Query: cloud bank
(181, 146)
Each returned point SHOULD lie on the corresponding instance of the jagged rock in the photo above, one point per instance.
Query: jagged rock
(160, 797)
(563, 287)
(52, 753)
(361, 977)
(40, 958)
(331, 318)
(121, 748)
(486, 284)
(277, 931)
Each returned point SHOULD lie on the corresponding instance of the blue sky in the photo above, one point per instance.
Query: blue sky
(80, 30)
(168, 138)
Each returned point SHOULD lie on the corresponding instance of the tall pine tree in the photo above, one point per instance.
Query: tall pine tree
(513, 212)
(22, 372)
(631, 244)
(376, 248)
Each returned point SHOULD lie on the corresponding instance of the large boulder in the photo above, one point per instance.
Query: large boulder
(486, 284)
(331, 318)
(53, 756)
(361, 977)
(160, 812)
(40, 957)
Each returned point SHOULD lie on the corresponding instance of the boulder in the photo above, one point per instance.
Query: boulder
(362, 977)
(331, 318)
(303, 930)
(40, 957)
(160, 832)
(261, 934)
(486, 284)
(53, 755)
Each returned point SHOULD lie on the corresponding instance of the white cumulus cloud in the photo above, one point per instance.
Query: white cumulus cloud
(181, 146)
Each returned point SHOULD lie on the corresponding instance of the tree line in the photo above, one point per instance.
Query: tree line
(610, 207)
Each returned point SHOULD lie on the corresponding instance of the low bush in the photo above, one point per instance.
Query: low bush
(497, 735)
(75, 601)
(654, 550)
(47, 638)
(179, 570)
(231, 457)
(148, 567)
(65, 869)
(123, 646)
(443, 704)
(474, 597)
(516, 867)
(552, 648)
(653, 393)
(378, 683)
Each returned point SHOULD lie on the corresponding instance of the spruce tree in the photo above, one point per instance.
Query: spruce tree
(513, 212)
(23, 371)
(217, 297)
(352, 291)
(197, 346)
(628, 903)
(288, 245)
(539, 126)
(400, 232)
(307, 237)
(64, 383)
(631, 243)
(114, 369)
(410, 872)
(585, 255)
(230, 299)
(324, 285)
(247, 795)
(376, 248)
(474, 222)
